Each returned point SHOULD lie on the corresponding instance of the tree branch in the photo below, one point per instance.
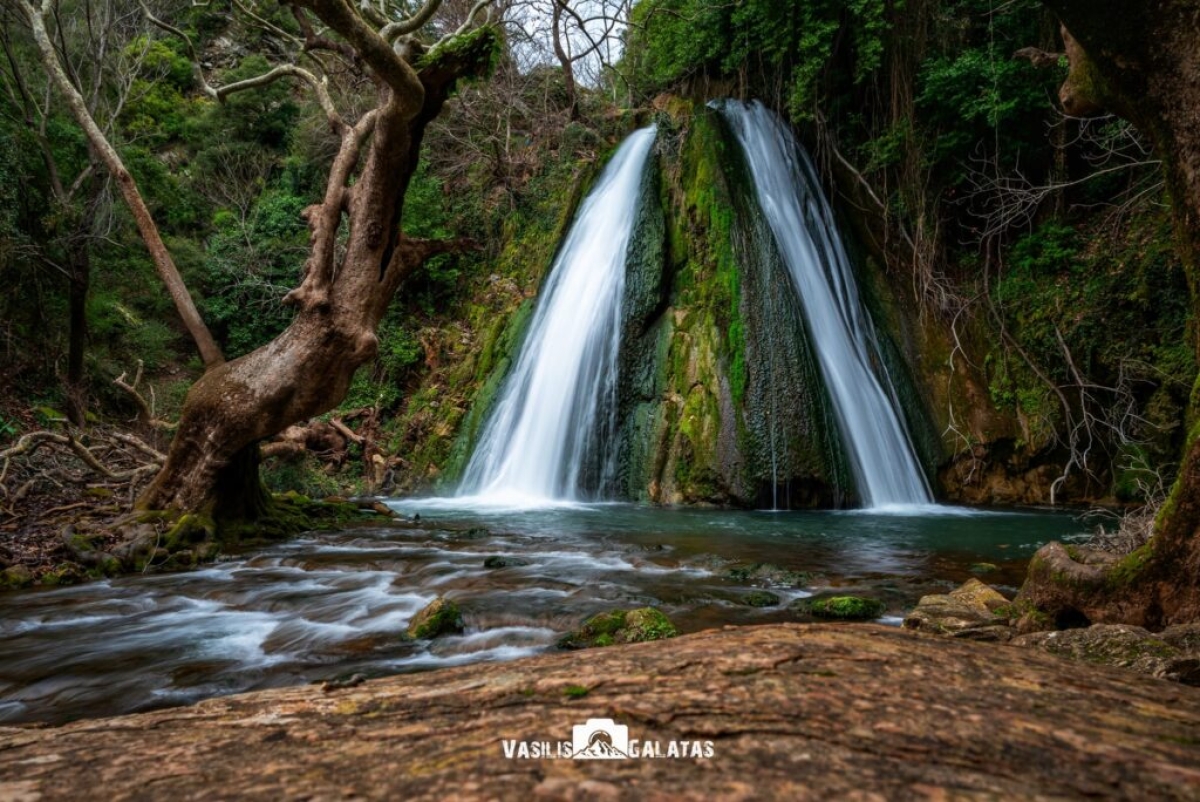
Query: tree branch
(395, 30)
(324, 218)
(407, 95)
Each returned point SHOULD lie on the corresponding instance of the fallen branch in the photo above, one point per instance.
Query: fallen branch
(145, 415)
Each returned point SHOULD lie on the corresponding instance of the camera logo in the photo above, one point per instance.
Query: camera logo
(600, 739)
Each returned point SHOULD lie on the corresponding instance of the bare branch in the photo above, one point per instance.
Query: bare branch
(395, 30)
(408, 94)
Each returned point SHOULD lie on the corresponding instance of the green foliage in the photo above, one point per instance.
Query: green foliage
(1112, 305)
(674, 40)
(251, 262)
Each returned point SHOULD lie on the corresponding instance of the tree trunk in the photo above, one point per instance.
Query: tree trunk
(1140, 59)
(564, 59)
(103, 149)
(79, 264)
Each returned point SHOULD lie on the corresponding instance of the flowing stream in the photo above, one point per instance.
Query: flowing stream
(337, 603)
(548, 425)
(881, 454)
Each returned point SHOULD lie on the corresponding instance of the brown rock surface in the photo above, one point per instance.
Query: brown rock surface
(974, 611)
(794, 712)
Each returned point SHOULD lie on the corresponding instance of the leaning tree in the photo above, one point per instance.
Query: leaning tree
(1139, 59)
(358, 254)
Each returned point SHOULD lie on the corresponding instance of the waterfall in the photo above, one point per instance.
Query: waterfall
(549, 425)
(881, 454)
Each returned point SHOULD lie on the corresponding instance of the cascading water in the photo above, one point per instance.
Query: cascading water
(548, 425)
(881, 453)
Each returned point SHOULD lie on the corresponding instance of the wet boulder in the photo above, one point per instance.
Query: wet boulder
(845, 608)
(760, 598)
(620, 626)
(503, 562)
(769, 575)
(440, 617)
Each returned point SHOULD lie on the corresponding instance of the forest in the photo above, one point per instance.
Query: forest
(349, 343)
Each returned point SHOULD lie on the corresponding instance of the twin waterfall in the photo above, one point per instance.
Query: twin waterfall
(547, 437)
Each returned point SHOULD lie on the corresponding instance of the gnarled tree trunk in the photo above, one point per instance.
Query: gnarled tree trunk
(305, 371)
(212, 465)
(1139, 59)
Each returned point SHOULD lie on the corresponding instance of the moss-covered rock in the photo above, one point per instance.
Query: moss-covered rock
(760, 598)
(768, 574)
(974, 611)
(63, 574)
(15, 577)
(846, 608)
(440, 617)
(620, 626)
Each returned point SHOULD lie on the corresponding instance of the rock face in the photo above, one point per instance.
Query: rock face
(1172, 654)
(792, 712)
(974, 611)
(440, 617)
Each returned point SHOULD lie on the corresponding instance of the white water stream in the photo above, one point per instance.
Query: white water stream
(547, 423)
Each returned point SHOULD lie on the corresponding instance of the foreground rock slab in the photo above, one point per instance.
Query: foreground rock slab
(793, 712)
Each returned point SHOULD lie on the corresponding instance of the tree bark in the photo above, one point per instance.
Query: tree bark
(564, 59)
(1140, 59)
(79, 264)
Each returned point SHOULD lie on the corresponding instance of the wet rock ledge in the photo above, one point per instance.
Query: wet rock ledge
(793, 711)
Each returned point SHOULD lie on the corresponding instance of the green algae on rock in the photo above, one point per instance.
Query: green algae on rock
(620, 626)
(440, 617)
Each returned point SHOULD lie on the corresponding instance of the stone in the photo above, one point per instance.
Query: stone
(17, 576)
(503, 562)
(768, 574)
(440, 617)
(973, 611)
(760, 598)
(1125, 646)
(620, 626)
(847, 608)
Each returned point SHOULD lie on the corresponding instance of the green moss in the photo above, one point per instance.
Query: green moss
(15, 577)
(480, 48)
(647, 624)
(620, 626)
(760, 598)
(768, 574)
(576, 691)
(440, 617)
(1131, 568)
(850, 608)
